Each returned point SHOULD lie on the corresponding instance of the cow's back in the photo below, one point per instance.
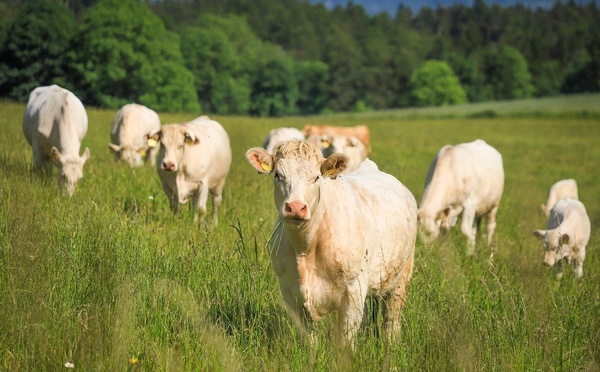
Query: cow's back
(212, 156)
(55, 117)
(131, 123)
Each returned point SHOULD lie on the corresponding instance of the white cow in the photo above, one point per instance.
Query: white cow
(194, 159)
(561, 189)
(350, 146)
(129, 134)
(54, 124)
(566, 235)
(278, 135)
(337, 241)
(465, 179)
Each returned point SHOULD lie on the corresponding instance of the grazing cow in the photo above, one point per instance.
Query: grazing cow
(360, 131)
(465, 179)
(567, 234)
(561, 189)
(54, 124)
(338, 239)
(278, 135)
(129, 134)
(349, 146)
(194, 158)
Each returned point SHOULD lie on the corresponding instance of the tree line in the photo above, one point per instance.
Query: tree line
(289, 57)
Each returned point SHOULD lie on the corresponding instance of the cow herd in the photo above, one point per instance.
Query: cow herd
(345, 230)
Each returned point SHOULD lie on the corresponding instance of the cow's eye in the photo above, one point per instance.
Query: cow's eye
(276, 176)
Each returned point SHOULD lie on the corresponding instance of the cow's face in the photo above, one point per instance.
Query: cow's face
(70, 170)
(556, 245)
(429, 226)
(173, 139)
(298, 169)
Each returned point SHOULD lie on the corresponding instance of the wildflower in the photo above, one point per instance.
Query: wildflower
(133, 360)
(70, 365)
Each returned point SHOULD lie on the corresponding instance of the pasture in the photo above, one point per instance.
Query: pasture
(111, 280)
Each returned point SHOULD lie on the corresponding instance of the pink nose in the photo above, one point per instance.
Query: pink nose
(295, 209)
(168, 166)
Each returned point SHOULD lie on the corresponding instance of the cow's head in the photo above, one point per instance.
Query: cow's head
(70, 169)
(298, 169)
(430, 224)
(133, 155)
(173, 139)
(556, 245)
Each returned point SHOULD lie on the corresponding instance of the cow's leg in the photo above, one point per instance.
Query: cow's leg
(468, 228)
(217, 199)
(394, 302)
(491, 224)
(558, 269)
(578, 268)
(200, 200)
(350, 314)
(172, 196)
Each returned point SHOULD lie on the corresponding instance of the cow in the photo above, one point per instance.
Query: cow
(347, 145)
(193, 160)
(561, 189)
(279, 135)
(338, 238)
(129, 132)
(360, 131)
(55, 122)
(566, 236)
(465, 180)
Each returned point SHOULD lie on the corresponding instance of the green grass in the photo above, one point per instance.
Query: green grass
(112, 274)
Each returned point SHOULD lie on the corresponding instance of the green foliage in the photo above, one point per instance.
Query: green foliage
(124, 54)
(275, 89)
(312, 86)
(506, 73)
(435, 84)
(35, 48)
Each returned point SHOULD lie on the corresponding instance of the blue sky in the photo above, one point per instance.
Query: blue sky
(376, 6)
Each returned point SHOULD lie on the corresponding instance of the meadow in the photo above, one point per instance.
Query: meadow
(112, 280)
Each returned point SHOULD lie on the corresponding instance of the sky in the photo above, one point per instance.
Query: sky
(376, 6)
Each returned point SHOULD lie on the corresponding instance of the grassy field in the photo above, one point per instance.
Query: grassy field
(111, 280)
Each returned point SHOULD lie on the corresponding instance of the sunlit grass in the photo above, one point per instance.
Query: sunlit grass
(111, 280)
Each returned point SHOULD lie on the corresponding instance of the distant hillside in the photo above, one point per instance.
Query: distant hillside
(377, 6)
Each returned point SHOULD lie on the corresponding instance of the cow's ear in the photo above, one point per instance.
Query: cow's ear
(86, 155)
(564, 239)
(539, 233)
(334, 165)
(56, 155)
(114, 147)
(191, 139)
(260, 159)
(153, 137)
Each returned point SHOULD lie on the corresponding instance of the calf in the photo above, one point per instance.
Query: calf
(468, 180)
(561, 189)
(566, 236)
(54, 124)
(338, 239)
(193, 160)
(129, 133)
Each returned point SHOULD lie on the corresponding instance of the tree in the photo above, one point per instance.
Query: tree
(34, 53)
(506, 72)
(275, 91)
(435, 84)
(124, 54)
(312, 86)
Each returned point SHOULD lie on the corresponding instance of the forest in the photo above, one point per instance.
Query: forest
(291, 57)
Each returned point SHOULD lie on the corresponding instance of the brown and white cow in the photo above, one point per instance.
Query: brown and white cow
(559, 190)
(54, 124)
(194, 159)
(278, 135)
(465, 179)
(350, 146)
(360, 131)
(566, 236)
(129, 133)
(338, 238)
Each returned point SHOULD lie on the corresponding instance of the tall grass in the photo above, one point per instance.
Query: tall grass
(110, 279)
